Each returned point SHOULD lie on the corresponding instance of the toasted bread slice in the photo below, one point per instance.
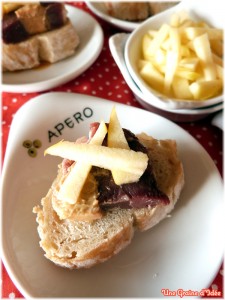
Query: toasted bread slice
(136, 11)
(20, 56)
(58, 44)
(50, 47)
(76, 244)
(132, 11)
(38, 18)
(169, 175)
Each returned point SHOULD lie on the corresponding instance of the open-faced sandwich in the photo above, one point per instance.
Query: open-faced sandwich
(108, 185)
(135, 11)
(36, 32)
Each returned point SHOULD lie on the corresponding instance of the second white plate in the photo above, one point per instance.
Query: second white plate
(40, 79)
(99, 9)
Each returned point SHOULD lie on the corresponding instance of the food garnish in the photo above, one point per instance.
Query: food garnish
(126, 165)
(73, 184)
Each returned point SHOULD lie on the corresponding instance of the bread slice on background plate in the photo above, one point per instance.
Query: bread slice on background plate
(79, 244)
(136, 11)
(48, 47)
(34, 33)
(130, 11)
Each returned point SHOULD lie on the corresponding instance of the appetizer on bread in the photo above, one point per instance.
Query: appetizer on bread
(36, 32)
(135, 11)
(129, 11)
(108, 185)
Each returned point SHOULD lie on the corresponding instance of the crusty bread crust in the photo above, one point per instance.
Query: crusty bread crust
(79, 244)
(169, 174)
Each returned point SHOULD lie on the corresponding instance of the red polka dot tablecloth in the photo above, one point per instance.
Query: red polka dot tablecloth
(103, 79)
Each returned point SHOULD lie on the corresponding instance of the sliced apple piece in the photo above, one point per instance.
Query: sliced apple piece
(152, 76)
(202, 90)
(74, 182)
(185, 51)
(187, 74)
(189, 63)
(203, 51)
(217, 47)
(175, 40)
(181, 88)
(158, 39)
(101, 156)
(213, 33)
(217, 60)
(116, 139)
(146, 41)
(175, 20)
(219, 72)
(160, 57)
(166, 45)
(172, 59)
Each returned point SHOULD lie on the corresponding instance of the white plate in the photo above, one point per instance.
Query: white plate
(218, 120)
(98, 8)
(182, 252)
(40, 79)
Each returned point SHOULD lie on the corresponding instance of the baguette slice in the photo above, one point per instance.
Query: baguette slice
(79, 244)
(131, 11)
(20, 56)
(50, 47)
(58, 44)
(169, 175)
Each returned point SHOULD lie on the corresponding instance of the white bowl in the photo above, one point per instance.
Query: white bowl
(117, 43)
(182, 115)
(197, 11)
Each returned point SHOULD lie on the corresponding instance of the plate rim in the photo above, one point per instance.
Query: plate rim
(122, 24)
